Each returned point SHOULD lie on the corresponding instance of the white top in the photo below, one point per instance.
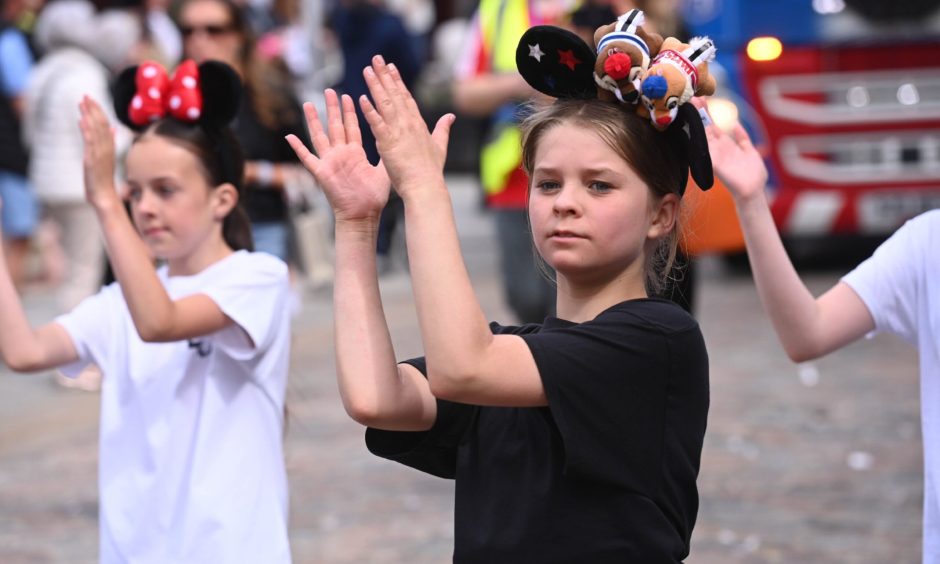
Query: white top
(900, 285)
(191, 463)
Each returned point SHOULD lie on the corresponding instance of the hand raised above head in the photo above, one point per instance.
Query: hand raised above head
(355, 189)
(99, 153)
(413, 156)
(738, 164)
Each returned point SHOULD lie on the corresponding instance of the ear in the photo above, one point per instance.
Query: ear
(224, 198)
(556, 62)
(665, 213)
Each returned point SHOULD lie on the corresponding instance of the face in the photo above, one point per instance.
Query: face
(208, 32)
(592, 217)
(174, 208)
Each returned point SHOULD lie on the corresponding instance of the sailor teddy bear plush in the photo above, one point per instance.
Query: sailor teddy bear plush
(624, 52)
(677, 73)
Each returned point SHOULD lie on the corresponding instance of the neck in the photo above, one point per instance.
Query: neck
(202, 258)
(581, 300)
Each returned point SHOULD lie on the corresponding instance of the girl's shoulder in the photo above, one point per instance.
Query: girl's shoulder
(248, 264)
(655, 314)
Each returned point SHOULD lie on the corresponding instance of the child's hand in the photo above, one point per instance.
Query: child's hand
(355, 189)
(413, 156)
(736, 161)
(99, 154)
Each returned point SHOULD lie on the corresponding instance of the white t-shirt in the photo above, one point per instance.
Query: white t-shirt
(900, 285)
(191, 464)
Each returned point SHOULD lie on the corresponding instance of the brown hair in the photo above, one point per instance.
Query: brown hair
(221, 160)
(266, 83)
(645, 150)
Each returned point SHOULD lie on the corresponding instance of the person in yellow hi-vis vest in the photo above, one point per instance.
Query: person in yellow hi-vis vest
(488, 84)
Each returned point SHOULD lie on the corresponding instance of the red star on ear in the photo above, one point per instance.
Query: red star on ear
(568, 59)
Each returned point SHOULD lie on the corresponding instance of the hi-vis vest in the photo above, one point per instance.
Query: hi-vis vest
(502, 23)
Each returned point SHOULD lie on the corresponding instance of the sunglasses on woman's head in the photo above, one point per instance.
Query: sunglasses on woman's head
(212, 30)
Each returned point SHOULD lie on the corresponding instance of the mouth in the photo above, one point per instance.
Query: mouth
(562, 234)
(153, 231)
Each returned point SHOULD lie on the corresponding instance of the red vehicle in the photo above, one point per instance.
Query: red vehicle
(845, 95)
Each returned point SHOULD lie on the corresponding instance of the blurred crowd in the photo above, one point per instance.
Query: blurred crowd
(454, 55)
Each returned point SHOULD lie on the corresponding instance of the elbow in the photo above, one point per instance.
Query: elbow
(801, 352)
(363, 412)
(154, 331)
(22, 363)
(450, 385)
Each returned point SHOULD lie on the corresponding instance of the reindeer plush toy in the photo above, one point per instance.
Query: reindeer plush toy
(624, 51)
(677, 73)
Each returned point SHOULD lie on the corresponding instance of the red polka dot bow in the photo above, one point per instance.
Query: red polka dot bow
(158, 95)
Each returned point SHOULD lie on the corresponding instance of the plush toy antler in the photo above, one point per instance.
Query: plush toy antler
(678, 72)
(624, 51)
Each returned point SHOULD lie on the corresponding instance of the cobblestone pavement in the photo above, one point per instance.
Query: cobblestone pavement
(819, 463)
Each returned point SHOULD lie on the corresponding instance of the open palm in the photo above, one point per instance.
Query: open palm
(736, 161)
(355, 189)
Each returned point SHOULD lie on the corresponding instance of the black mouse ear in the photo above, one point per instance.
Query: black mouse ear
(688, 139)
(122, 92)
(221, 93)
(557, 62)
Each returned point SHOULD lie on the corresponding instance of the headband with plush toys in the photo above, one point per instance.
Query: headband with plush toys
(640, 70)
(206, 95)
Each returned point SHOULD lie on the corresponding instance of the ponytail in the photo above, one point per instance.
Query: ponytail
(236, 229)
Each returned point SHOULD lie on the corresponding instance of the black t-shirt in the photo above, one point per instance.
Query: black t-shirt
(606, 472)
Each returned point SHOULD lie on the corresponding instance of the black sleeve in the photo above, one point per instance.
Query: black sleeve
(433, 451)
(607, 383)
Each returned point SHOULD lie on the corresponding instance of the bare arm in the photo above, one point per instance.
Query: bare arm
(23, 348)
(806, 326)
(482, 95)
(375, 390)
(466, 362)
(156, 316)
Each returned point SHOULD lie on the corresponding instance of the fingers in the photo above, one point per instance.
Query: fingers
(441, 133)
(374, 119)
(351, 121)
(740, 136)
(309, 160)
(384, 106)
(321, 143)
(334, 118)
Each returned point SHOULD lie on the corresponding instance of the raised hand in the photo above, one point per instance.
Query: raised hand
(99, 154)
(737, 162)
(413, 156)
(355, 189)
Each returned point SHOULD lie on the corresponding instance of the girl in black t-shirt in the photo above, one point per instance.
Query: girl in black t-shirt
(575, 440)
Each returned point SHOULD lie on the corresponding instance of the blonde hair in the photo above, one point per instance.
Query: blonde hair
(647, 151)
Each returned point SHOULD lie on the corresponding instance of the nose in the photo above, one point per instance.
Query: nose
(664, 120)
(566, 201)
(146, 203)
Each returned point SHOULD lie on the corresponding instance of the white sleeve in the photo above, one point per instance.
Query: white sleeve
(253, 293)
(888, 281)
(90, 326)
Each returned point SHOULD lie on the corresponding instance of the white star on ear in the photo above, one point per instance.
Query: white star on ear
(536, 52)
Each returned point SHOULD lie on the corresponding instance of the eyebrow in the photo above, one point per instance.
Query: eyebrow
(589, 171)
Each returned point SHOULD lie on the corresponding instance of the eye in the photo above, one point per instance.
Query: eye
(634, 73)
(672, 103)
(547, 185)
(600, 186)
(133, 193)
(612, 51)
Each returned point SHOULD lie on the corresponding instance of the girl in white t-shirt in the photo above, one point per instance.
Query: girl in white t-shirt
(194, 353)
(896, 290)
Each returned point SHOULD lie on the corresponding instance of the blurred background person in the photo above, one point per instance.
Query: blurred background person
(218, 30)
(365, 28)
(488, 84)
(20, 210)
(80, 50)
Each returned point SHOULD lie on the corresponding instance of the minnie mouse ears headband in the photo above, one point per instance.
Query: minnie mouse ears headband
(208, 94)
(560, 64)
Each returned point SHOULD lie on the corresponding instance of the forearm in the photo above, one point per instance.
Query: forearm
(454, 329)
(792, 309)
(483, 95)
(149, 304)
(373, 391)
